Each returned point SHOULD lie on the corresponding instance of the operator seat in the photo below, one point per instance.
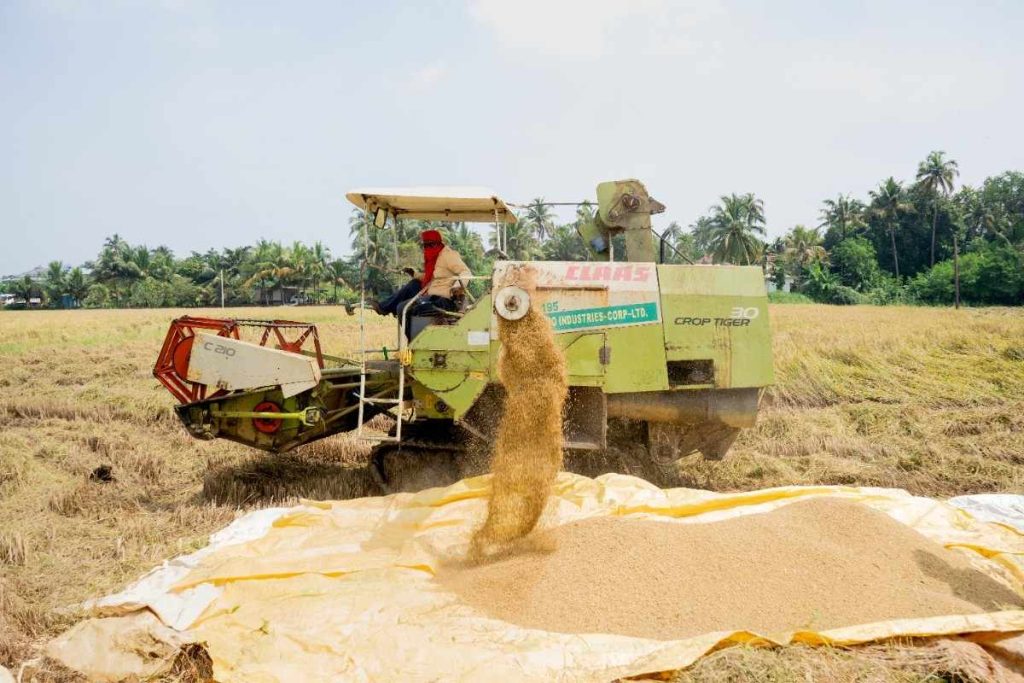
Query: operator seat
(424, 317)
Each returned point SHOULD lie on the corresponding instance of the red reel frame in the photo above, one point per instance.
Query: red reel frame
(171, 367)
(306, 332)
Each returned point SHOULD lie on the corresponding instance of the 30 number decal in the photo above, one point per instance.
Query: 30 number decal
(745, 313)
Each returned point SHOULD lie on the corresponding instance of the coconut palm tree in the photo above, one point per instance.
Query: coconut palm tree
(979, 217)
(564, 244)
(673, 231)
(230, 266)
(55, 283)
(77, 286)
(539, 218)
(116, 243)
(803, 248)
(888, 202)
(162, 265)
(463, 239)
(24, 288)
(140, 257)
(371, 243)
(375, 249)
(336, 272)
(276, 266)
(520, 243)
(702, 230)
(804, 245)
(300, 262)
(674, 235)
(319, 255)
(286, 270)
(735, 224)
(162, 250)
(116, 267)
(258, 266)
(584, 213)
(844, 214)
(408, 230)
(959, 230)
(936, 174)
(232, 259)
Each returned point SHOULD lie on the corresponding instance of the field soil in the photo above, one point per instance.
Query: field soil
(929, 400)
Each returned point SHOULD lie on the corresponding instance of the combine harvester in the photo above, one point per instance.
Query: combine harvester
(662, 360)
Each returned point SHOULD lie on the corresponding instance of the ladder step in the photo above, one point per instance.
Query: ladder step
(399, 400)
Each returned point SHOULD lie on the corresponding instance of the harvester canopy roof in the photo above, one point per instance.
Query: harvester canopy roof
(469, 204)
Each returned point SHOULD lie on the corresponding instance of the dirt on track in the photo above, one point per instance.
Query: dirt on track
(815, 564)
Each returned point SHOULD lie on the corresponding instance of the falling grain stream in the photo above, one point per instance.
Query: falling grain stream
(528, 450)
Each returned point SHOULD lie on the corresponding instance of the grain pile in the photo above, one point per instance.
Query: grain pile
(528, 449)
(815, 564)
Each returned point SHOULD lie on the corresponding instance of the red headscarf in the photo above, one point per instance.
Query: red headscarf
(430, 253)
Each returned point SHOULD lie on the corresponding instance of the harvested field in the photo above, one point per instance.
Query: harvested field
(813, 565)
(929, 400)
(925, 399)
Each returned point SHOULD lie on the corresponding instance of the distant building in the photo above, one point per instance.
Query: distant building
(279, 296)
(15, 302)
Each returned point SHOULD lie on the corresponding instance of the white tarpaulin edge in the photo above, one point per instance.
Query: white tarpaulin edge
(1001, 508)
(153, 590)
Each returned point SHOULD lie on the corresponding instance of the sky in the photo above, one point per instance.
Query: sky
(202, 123)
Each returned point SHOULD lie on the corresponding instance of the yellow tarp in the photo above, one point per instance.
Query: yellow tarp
(343, 590)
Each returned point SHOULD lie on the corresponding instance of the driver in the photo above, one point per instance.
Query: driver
(444, 278)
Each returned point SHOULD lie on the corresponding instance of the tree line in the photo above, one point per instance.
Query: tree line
(135, 276)
(919, 241)
(912, 242)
